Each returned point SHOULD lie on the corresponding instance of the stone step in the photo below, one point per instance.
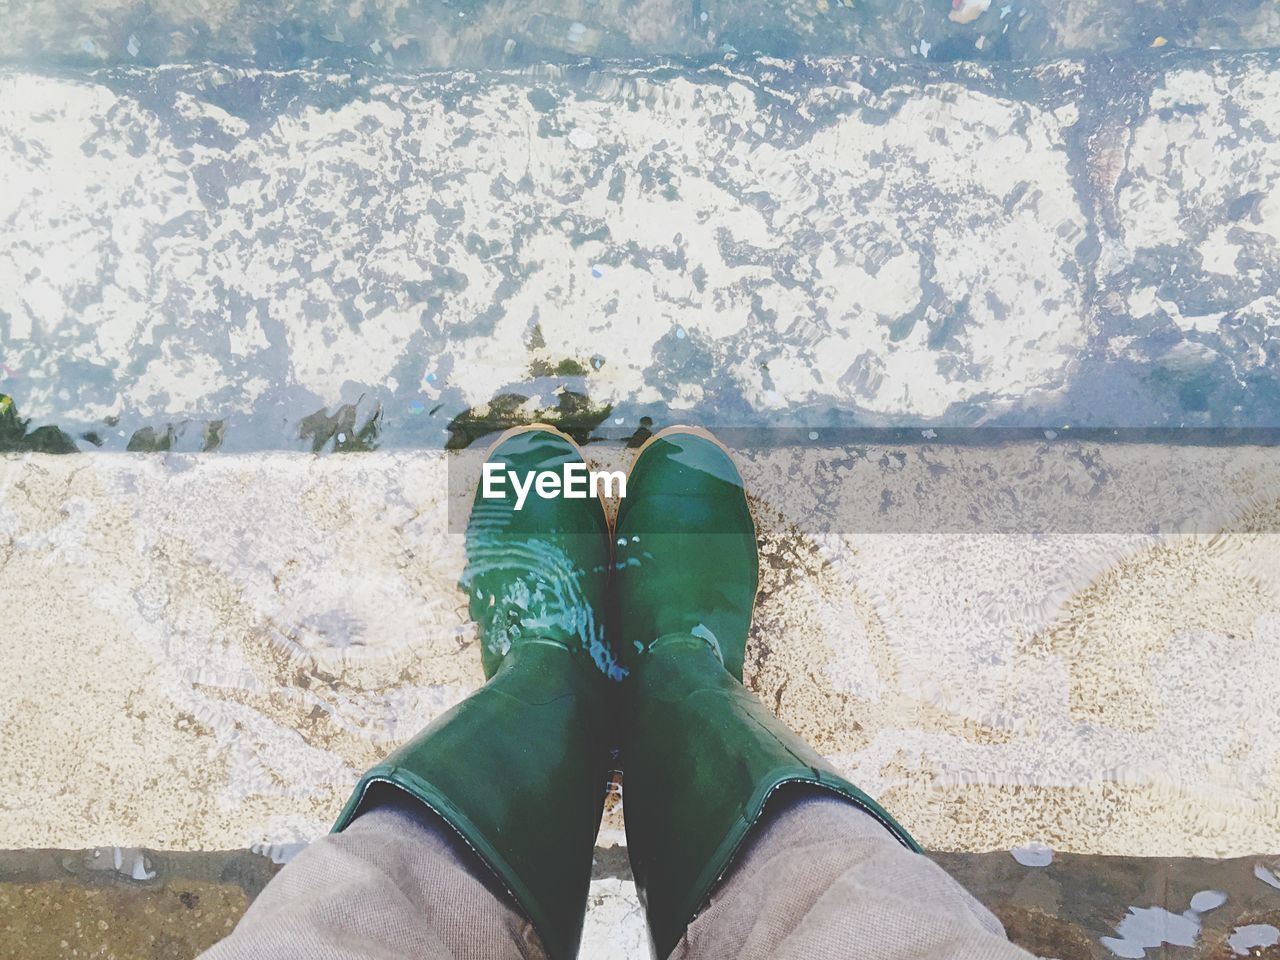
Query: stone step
(210, 256)
(204, 651)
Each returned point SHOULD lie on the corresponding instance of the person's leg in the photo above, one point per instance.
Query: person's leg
(398, 882)
(703, 758)
(820, 879)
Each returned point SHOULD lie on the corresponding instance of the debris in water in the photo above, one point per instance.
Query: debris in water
(925, 47)
(597, 270)
(1159, 42)
(133, 46)
(813, 434)
(929, 434)
(966, 11)
(1033, 854)
(139, 870)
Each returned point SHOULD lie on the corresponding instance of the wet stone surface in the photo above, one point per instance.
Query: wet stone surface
(89, 903)
(488, 33)
(208, 258)
(50, 907)
(244, 635)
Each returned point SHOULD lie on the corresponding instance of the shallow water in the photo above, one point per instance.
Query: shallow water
(403, 34)
(204, 258)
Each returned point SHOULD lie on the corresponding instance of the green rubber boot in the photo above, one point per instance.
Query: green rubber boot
(520, 768)
(701, 755)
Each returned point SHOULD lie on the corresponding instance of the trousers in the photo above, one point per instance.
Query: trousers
(816, 879)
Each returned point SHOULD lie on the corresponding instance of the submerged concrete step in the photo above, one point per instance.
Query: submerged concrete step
(1032, 649)
(205, 256)
(204, 651)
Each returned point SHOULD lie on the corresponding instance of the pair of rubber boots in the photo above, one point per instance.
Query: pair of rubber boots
(594, 639)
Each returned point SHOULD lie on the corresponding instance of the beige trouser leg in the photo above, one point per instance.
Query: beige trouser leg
(397, 883)
(820, 879)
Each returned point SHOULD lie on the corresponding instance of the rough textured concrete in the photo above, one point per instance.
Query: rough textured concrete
(1085, 242)
(205, 651)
